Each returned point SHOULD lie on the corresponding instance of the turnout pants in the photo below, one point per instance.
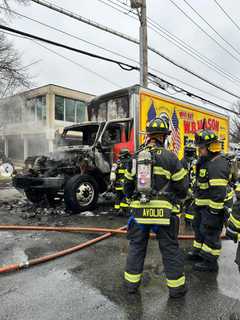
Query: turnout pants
(208, 228)
(173, 260)
(120, 201)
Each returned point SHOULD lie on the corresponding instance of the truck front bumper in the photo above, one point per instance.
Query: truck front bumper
(28, 182)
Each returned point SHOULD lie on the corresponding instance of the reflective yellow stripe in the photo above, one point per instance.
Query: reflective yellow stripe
(218, 182)
(118, 188)
(189, 216)
(229, 196)
(203, 186)
(128, 175)
(197, 245)
(176, 209)
(235, 222)
(162, 172)
(214, 252)
(176, 283)
(237, 187)
(124, 205)
(152, 204)
(121, 170)
(153, 221)
(133, 278)
(210, 203)
(117, 206)
(179, 175)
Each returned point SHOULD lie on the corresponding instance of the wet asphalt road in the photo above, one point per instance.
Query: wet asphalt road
(88, 284)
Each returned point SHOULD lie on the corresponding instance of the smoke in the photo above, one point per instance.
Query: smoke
(22, 118)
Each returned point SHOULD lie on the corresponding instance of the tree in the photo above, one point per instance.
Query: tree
(235, 124)
(12, 74)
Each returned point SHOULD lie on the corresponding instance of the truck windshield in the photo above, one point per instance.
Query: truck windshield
(111, 109)
(82, 135)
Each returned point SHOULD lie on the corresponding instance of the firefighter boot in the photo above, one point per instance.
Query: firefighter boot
(206, 266)
(176, 293)
(131, 288)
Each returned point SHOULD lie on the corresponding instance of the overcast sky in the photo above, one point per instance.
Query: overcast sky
(54, 69)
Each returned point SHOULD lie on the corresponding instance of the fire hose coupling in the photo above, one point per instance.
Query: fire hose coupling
(24, 264)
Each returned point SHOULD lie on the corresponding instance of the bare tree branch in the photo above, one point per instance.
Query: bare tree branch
(235, 124)
(12, 74)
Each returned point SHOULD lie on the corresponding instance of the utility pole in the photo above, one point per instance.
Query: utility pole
(141, 7)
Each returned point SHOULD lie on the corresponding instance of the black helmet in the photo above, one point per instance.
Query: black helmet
(190, 149)
(158, 126)
(205, 137)
(124, 153)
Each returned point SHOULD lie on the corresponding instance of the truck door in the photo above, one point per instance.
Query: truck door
(117, 135)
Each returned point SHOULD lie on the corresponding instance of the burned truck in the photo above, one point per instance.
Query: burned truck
(80, 168)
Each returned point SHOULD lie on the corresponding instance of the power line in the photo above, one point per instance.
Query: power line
(121, 35)
(204, 31)
(177, 42)
(124, 66)
(225, 12)
(68, 34)
(211, 27)
(105, 49)
(91, 71)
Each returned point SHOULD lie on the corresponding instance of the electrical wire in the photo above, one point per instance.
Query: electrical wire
(225, 12)
(103, 48)
(80, 18)
(177, 42)
(211, 27)
(91, 71)
(67, 59)
(204, 31)
(68, 34)
(123, 65)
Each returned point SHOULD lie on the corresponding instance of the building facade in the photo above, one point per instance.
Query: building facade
(29, 120)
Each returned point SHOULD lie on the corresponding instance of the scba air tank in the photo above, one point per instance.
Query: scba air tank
(144, 172)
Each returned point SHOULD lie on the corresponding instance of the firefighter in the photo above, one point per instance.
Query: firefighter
(189, 163)
(212, 176)
(117, 178)
(233, 224)
(154, 185)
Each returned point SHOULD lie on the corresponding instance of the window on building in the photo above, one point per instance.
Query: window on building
(36, 109)
(70, 110)
(59, 108)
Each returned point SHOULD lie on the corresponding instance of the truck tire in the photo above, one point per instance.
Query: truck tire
(34, 196)
(81, 193)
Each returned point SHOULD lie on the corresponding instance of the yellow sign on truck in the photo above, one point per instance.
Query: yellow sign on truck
(127, 111)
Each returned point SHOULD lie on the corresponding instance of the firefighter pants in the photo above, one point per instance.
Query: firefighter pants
(208, 228)
(189, 210)
(173, 260)
(120, 201)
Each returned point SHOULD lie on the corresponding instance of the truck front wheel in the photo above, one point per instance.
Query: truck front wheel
(81, 193)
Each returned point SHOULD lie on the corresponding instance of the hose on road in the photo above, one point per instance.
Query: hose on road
(33, 262)
(80, 229)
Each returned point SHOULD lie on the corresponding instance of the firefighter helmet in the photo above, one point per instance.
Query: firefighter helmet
(158, 126)
(205, 137)
(190, 149)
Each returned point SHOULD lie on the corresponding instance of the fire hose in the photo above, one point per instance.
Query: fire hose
(33, 262)
(120, 231)
(107, 234)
